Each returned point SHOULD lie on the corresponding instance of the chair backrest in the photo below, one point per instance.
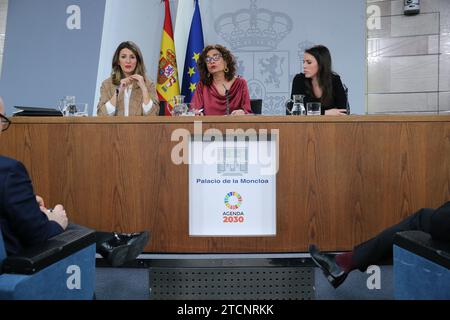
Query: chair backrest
(421, 267)
(162, 108)
(256, 105)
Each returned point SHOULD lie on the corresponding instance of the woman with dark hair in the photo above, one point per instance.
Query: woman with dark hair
(319, 83)
(128, 92)
(220, 91)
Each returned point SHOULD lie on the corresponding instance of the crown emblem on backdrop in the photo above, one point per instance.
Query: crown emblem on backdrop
(253, 28)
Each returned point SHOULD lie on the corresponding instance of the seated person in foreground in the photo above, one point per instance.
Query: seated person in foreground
(319, 83)
(25, 221)
(436, 222)
(219, 83)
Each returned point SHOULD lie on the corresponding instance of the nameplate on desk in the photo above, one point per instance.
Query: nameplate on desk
(232, 186)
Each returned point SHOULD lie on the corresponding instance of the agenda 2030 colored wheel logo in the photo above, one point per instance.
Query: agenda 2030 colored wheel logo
(233, 200)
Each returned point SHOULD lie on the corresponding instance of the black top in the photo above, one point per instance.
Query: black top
(339, 99)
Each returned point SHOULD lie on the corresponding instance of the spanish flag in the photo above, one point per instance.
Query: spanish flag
(168, 84)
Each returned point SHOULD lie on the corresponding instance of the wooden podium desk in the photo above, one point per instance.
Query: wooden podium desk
(341, 180)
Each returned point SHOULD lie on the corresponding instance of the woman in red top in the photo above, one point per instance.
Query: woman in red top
(219, 83)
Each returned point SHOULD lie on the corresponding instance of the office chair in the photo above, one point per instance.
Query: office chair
(62, 268)
(421, 267)
(256, 105)
(162, 108)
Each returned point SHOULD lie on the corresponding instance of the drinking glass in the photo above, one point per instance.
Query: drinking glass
(313, 108)
(68, 106)
(179, 107)
(190, 111)
(81, 110)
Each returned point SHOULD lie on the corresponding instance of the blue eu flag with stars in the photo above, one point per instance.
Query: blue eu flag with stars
(195, 46)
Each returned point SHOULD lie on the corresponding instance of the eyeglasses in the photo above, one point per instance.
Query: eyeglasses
(5, 122)
(212, 58)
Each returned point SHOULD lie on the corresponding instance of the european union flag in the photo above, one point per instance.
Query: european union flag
(194, 48)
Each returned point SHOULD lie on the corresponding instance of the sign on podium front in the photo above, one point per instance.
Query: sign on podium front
(232, 185)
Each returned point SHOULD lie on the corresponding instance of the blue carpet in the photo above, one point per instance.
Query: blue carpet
(355, 286)
(121, 284)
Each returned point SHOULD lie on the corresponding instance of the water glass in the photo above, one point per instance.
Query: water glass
(189, 110)
(67, 105)
(81, 110)
(179, 109)
(313, 108)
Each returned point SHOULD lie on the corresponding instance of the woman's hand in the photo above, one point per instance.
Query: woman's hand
(198, 112)
(238, 112)
(124, 83)
(141, 83)
(140, 80)
(336, 112)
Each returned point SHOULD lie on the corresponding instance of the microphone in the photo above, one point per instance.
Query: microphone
(117, 99)
(228, 100)
(347, 107)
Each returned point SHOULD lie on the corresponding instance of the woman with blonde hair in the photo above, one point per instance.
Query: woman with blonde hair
(128, 92)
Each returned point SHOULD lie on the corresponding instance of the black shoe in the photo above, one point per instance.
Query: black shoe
(115, 254)
(136, 243)
(334, 274)
(123, 247)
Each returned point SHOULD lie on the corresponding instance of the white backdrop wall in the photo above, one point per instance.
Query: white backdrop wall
(51, 50)
(269, 69)
(268, 63)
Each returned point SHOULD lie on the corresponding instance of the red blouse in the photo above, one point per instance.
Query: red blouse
(213, 103)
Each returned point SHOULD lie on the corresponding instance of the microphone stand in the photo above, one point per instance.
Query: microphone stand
(117, 101)
(228, 100)
(346, 95)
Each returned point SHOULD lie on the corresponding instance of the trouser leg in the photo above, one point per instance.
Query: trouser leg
(379, 248)
(440, 223)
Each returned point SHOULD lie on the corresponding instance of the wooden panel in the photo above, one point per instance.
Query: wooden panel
(340, 180)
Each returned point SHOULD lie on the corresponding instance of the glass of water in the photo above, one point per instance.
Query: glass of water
(313, 108)
(81, 110)
(67, 105)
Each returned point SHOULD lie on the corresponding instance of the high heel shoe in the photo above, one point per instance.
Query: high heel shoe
(333, 272)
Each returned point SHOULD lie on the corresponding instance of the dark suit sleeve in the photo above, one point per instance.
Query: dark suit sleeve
(28, 223)
(339, 96)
